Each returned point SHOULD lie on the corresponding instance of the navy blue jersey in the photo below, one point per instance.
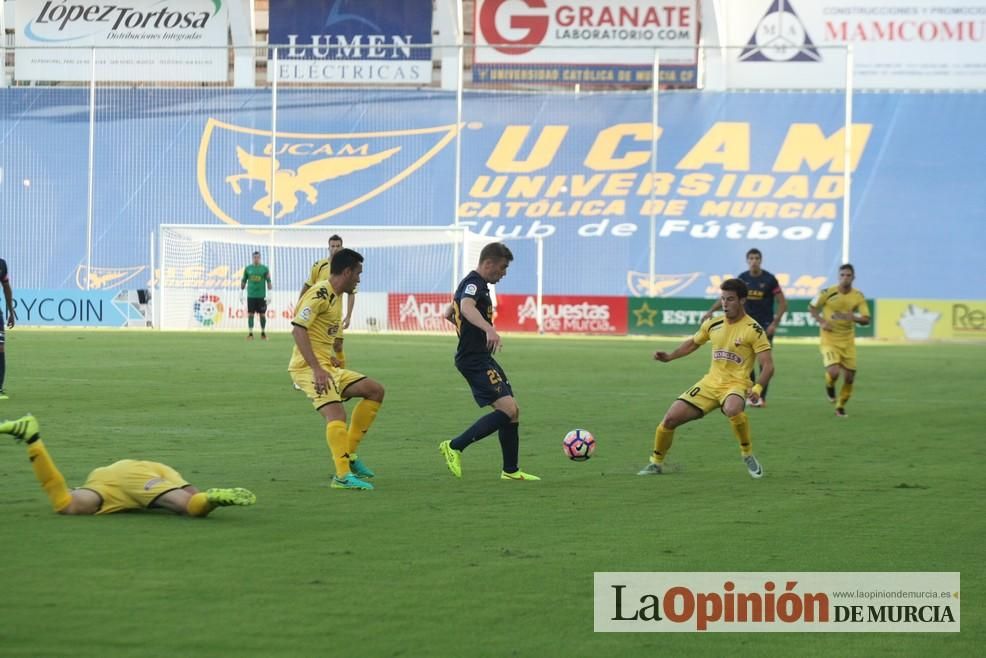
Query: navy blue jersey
(3, 277)
(472, 339)
(760, 298)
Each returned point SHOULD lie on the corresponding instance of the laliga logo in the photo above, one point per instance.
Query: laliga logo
(208, 310)
(535, 27)
(425, 313)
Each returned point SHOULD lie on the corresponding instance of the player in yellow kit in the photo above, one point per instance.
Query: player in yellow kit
(320, 272)
(124, 485)
(736, 340)
(315, 370)
(838, 310)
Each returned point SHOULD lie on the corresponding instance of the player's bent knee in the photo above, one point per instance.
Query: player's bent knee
(508, 406)
(733, 405)
(375, 391)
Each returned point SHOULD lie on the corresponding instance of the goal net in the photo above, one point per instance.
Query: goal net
(409, 273)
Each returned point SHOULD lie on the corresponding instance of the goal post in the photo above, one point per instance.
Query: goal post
(409, 273)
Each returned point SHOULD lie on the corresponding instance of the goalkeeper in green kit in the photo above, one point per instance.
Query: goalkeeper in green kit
(256, 280)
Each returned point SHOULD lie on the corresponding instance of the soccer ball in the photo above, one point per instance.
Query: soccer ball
(579, 445)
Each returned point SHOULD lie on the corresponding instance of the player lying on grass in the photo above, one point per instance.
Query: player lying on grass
(125, 485)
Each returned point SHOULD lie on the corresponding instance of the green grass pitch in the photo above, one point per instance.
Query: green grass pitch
(428, 565)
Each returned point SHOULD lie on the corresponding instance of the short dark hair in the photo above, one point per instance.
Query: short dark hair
(335, 238)
(344, 259)
(847, 266)
(754, 251)
(256, 253)
(734, 285)
(495, 251)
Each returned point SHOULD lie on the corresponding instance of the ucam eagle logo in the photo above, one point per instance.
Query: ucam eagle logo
(251, 176)
(283, 185)
(90, 277)
(641, 284)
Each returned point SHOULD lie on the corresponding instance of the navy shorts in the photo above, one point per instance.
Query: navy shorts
(486, 379)
(256, 305)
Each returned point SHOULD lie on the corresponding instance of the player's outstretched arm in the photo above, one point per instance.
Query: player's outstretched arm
(684, 349)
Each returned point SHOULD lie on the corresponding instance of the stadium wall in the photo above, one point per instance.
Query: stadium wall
(734, 170)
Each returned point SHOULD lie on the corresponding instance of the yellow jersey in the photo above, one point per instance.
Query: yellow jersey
(320, 312)
(320, 272)
(734, 348)
(835, 307)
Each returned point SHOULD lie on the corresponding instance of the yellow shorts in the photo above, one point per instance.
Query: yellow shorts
(843, 355)
(131, 484)
(305, 380)
(707, 395)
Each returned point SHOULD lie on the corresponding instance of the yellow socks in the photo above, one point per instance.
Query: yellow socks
(341, 356)
(741, 428)
(338, 440)
(845, 394)
(828, 379)
(662, 443)
(47, 473)
(363, 416)
(199, 505)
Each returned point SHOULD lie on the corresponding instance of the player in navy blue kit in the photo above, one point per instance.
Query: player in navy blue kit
(471, 312)
(763, 289)
(8, 296)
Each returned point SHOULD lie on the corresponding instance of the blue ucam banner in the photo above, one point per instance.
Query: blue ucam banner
(733, 171)
(351, 41)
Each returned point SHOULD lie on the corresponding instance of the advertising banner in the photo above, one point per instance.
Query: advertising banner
(931, 319)
(682, 317)
(563, 314)
(609, 42)
(181, 40)
(777, 602)
(418, 311)
(351, 41)
(75, 308)
(918, 44)
(733, 171)
(225, 309)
